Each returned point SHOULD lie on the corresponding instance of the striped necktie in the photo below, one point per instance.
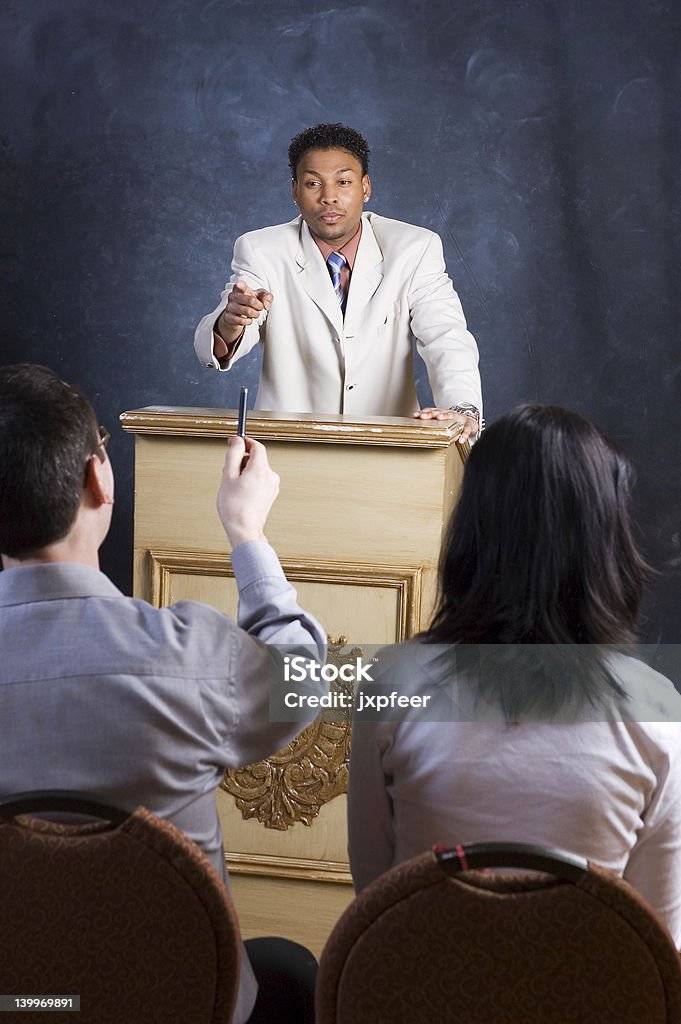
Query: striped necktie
(335, 262)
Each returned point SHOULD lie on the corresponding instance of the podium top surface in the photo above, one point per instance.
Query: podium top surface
(393, 431)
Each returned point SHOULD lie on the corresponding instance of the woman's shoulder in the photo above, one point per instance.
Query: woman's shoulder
(650, 696)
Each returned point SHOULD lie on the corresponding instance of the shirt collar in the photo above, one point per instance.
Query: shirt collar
(349, 250)
(54, 581)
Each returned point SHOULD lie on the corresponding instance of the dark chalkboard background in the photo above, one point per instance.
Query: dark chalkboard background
(541, 140)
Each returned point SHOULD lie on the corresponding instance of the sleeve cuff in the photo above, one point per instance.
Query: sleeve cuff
(224, 362)
(254, 559)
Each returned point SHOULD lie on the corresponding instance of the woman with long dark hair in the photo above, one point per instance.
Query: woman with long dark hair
(540, 726)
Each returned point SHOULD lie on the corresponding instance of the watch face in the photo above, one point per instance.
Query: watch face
(467, 408)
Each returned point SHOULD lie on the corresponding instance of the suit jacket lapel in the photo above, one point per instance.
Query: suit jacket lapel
(316, 280)
(366, 274)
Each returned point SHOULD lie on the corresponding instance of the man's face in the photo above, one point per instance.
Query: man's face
(330, 190)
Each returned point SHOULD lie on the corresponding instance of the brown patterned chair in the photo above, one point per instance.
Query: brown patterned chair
(434, 941)
(126, 912)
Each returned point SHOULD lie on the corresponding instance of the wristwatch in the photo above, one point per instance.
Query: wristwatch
(468, 409)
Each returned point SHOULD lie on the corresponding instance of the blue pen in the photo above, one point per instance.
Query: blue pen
(241, 424)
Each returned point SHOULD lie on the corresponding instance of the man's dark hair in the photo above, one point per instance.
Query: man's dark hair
(541, 550)
(48, 431)
(328, 136)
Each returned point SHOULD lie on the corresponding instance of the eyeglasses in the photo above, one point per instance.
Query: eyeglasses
(104, 437)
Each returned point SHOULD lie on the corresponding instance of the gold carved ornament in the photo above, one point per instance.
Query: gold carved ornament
(293, 785)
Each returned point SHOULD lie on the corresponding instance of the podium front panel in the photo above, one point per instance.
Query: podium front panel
(357, 526)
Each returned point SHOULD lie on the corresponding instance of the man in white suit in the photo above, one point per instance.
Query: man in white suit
(336, 296)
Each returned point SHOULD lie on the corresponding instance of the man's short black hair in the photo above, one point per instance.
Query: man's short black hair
(48, 431)
(329, 136)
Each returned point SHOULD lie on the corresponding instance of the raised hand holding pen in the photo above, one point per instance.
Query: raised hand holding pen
(248, 490)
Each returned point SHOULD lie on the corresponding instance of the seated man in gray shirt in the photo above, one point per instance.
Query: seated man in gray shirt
(103, 693)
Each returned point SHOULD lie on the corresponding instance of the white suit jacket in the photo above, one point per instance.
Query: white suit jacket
(316, 360)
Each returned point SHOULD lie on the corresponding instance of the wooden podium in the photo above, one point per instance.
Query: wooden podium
(357, 526)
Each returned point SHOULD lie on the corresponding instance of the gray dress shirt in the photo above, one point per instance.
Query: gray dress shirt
(102, 693)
